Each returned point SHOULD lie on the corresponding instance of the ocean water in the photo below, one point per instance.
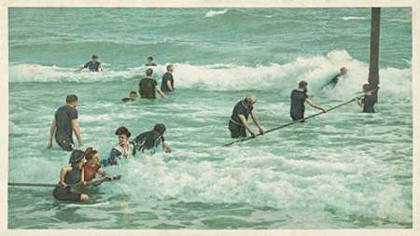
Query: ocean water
(344, 169)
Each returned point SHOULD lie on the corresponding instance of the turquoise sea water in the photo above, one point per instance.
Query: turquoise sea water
(344, 169)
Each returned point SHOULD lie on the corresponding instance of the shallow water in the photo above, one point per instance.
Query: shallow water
(344, 169)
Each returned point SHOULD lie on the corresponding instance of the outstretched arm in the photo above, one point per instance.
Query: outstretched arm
(257, 122)
(245, 124)
(166, 148)
(159, 91)
(315, 106)
(76, 129)
(52, 132)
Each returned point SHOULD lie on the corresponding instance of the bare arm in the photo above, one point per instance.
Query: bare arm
(76, 129)
(63, 172)
(52, 132)
(166, 148)
(159, 91)
(359, 102)
(246, 125)
(315, 106)
(257, 122)
(82, 179)
(169, 85)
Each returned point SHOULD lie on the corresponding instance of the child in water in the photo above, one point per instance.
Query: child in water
(368, 101)
(91, 168)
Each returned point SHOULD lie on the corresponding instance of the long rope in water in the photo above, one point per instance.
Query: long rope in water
(93, 182)
(293, 122)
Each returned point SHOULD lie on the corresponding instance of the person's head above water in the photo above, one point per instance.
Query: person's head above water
(72, 100)
(91, 156)
(250, 99)
(170, 68)
(149, 72)
(303, 85)
(95, 57)
(132, 95)
(343, 70)
(123, 135)
(160, 128)
(77, 157)
(367, 88)
(150, 59)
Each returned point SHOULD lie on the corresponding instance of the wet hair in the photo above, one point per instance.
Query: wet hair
(303, 84)
(150, 58)
(367, 87)
(89, 153)
(123, 131)
(169, 66)
(250, 99)
(75, 157)
(149, 72)
(94, 56)
(160, 128)
(71, 98)
(133, 92)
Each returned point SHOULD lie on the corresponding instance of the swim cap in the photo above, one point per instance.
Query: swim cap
(160, 128)
(76, 156)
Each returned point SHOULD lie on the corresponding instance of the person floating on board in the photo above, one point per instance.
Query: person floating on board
(238, 123)
(333, 82)
(167, 84)
(92, 166)
(64, 123)
(124, 149)
(150, 62)
(151, 140)
(131, 97)
(71, 175)
(93, 65)
(148, 86)
(368, 101)
(298, 99)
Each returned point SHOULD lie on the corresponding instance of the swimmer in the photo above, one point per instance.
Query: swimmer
(93, 65)
(151, 140)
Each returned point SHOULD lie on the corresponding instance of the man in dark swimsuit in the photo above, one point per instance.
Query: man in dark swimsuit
(150, 62)
(151, 140)
(298, 98)
(368, 101)
(148, 86)
(333, 82)
(167, 84)
(238, 123)
(64, 123)
(93, 65)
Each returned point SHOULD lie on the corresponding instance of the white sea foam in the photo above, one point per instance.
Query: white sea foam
(354, 18)
(215, 13)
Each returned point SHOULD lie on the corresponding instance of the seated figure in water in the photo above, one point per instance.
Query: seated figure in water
(92, 166)
(71, 175)
(368, 101)
(131, 97)
(150, 61)
(333, 82)
(93, 65)
(124, 149)
(151, 140)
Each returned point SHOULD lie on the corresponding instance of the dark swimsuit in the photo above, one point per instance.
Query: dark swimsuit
(64, 193)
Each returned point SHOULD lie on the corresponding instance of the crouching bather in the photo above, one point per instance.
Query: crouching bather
(151, 140)
(71, 175)
(124, 149)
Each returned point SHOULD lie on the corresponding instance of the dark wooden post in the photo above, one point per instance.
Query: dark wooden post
(374, 50)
